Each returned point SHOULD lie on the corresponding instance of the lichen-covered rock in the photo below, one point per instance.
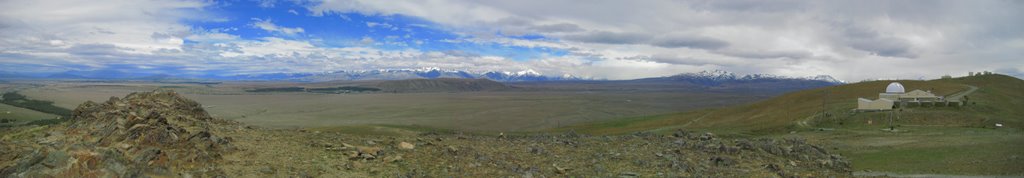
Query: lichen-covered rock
(157, 133)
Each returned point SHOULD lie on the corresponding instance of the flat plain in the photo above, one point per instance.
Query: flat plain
(524, 109)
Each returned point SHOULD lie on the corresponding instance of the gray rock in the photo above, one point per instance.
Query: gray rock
(268, 170)
(707, 136)
(55, 159)
(629, 174)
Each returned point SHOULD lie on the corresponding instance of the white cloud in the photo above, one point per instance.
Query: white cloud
(127, 24)
(269, 26)
(851, 40)
(780, 37)
(378, 24)
(366, 40)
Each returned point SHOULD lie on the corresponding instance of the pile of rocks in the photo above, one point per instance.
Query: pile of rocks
(796, 150)
(151, 133)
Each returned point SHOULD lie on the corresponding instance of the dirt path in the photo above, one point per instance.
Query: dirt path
(959, 96)
(804, 122)
(695, 120)
(684, 125)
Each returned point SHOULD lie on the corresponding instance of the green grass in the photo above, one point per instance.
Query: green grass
(18, 100)
(980, 159)
(18, 109)
(22, 115)
(928, 149)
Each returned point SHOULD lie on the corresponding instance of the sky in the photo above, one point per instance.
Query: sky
(849, 40)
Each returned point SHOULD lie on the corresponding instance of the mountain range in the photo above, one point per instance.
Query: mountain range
(714, 77)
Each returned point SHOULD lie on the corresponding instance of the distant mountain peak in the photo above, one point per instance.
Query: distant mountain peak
(718, 76)
(412, 73)
(827, 78)
(709, 77)
(527, 72)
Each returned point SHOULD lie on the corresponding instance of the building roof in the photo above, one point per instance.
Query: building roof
(895, 87)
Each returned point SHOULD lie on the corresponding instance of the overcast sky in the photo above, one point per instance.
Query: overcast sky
(850, 40)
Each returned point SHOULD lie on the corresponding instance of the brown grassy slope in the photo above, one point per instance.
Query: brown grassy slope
(793, 107)
(999, 98)
(781, 113)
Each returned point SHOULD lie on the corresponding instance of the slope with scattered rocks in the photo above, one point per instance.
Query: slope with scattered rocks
(327, 154)
(163, 134)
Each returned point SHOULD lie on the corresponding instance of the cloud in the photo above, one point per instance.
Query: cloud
(689, 42)
(377, 24)
(672, 59)
(267, 3)
(889, 47)
(129, 25)
(606, 37)
(94, 50)
(667, 41)
(818, 36)
(555, 28)
(269, 26)
(762, 54)
(367, 40)
(848, 39)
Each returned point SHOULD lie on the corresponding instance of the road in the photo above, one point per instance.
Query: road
(959, 96)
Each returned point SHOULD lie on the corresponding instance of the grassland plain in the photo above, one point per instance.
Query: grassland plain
(517, 110)
(929, 140)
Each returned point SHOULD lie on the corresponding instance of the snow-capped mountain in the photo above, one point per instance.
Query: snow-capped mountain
(710, 78)
(827, 78)
(426, 72)
(727, 79)
(717, 77)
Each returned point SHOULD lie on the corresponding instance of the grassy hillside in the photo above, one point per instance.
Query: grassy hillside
(999, 99)
(929, 140)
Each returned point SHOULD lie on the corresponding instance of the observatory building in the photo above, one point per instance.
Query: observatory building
(895, 95)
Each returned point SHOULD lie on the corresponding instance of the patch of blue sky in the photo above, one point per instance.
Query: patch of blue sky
(529, 37)
(329, 30)
(518, 53)
(388, 32)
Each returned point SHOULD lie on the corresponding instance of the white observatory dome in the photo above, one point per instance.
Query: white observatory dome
(895, 87)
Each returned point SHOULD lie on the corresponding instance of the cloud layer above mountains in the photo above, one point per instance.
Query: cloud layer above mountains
(851, 40)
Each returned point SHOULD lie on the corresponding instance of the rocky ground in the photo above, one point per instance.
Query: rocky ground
(161, 134)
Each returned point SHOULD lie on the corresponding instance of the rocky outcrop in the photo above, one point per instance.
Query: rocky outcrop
(157, 133)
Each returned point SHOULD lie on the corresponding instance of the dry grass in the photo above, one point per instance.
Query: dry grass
(771, 115)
